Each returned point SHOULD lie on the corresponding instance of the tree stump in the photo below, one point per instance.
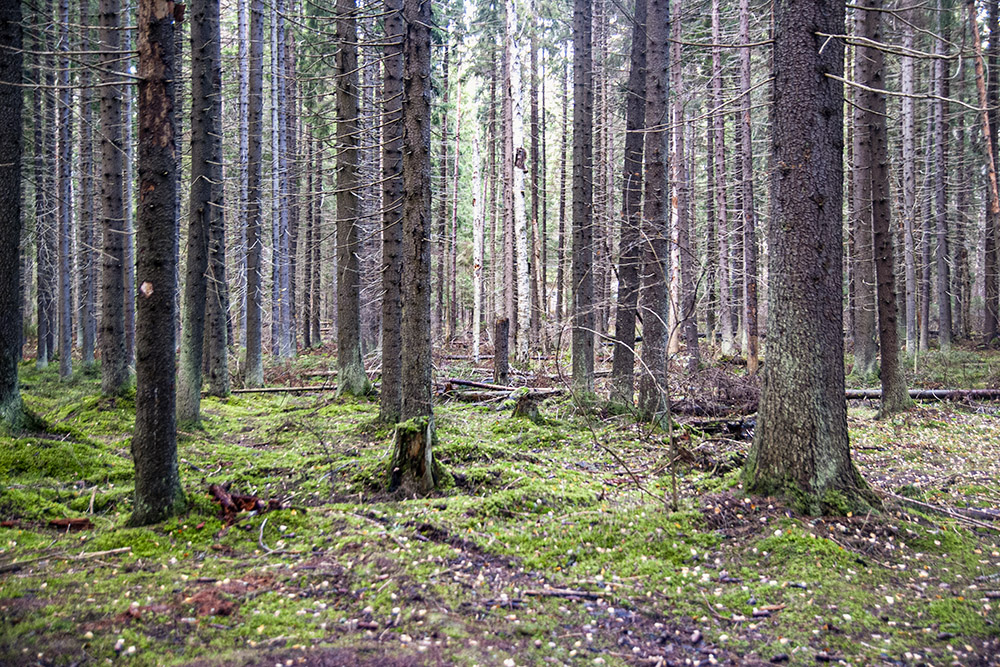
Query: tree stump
(412, 469)
(526, 404)
(501, 356)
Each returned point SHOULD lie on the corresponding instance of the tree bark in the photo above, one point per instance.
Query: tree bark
(11, 154)
(894, 393)
(158, 492)
(623, 365)
(477, 251)
(942, 257)
(255, 128)
(749, 213)
(988, 98)
(721, 207)
(390, 400)
(413, 462)
(441, 230)
(583, 232)
(351, 379)
(863, 283)
(65, 162)
(908, 121)
(653, 300)
(86, 224)
(114, 360)
(801, 450)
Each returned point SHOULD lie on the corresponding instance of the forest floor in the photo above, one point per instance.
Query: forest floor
(554, 542)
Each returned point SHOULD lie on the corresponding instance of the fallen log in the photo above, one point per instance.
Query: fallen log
(931, 394)
(499, 387)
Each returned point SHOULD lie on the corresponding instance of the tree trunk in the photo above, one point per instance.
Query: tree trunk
(86, 225)
(895, 397)
(863, 284)
(988, 99)
(158, 491)
(583, 232)
(128, 207)
(653, 300)
(477, 251)
(801, 450)
(65, 161)
(413, 464)
(316, 247)
(926, 233)
(719, 169)
(243, 55)
(114, 360)
(942, 258)
(522, 331)
(255, 127)
(623, 366)
(441, 245)
(11, 153)
(908, 121)
(501, 356)
(351, 378)
(390, 401)
(561, 231)
(747, 198)
(204, 207)
(537, 298)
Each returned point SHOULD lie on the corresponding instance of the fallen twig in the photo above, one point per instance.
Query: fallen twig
(956, 514)
(562, 593)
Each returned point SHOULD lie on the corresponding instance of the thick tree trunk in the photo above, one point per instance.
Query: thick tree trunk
(583, 232)
(653, 300)
(255, 128)
(623, 366)
(522, 331)
(413, 464)
(243, 55)
(114, 360)
(801, 447)
(11, 153)
(390, 401)
(158, 491)
(988, 98)
(351, 378)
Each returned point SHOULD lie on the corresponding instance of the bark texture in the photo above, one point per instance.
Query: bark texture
(158, 492)
(801, 450)
(11, 152)
(583, 185)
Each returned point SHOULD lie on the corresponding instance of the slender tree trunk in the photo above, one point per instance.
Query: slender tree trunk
(991, 288)
(390, 402)
(583, 232)
(561, 231)
(712, 232)
(522, 333)
(477, 252)
(493, 273)
(114, 361)
(908, 121)
(719, 169)
(307, 273)
(453, 235)
(351, 377)
(255, 127)
(863, 287)
(895, 396)
(11, 154)
(158, 491)
(927, 233)
(65, 161)
(243, 54)
(128, 206)
(747, 197)
(86, 224)
(203, 207)
(441, 230)
(623, 365)
(682, 188)
(653, 299)
(942, 256)
(316, 246)
(537, 304)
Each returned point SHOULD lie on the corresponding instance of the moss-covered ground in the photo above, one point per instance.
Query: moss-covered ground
(553, 543)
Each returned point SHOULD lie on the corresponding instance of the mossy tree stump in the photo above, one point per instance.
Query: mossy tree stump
(412, 469)
(526, 404)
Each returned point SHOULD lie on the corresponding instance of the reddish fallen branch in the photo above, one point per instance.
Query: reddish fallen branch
(71, 524)
(234, 503)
